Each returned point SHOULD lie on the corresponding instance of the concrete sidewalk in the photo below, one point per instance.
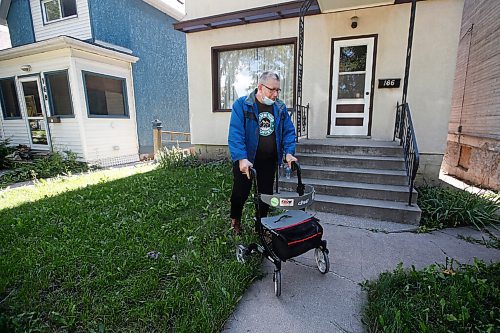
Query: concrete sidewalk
(360, 249)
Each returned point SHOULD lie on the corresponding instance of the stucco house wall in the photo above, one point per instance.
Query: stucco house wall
(431, 76)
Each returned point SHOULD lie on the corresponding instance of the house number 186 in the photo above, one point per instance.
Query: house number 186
(389, 83)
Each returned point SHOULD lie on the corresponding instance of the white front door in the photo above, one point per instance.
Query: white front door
(34, 112)
(351, 86)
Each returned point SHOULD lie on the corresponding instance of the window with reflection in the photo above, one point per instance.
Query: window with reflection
(352, 72)
(8, 99)
(106, 95)
(59, 93)
(54, 10)
(237, 69)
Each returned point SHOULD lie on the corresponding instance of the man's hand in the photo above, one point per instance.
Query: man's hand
(245, 166)
(289, 159)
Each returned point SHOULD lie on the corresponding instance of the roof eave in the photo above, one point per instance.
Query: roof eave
(172, 11)
(63, 42)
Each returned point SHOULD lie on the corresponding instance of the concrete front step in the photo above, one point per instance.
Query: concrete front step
(353, 161)
(350, 147)
(355, 175)
(377, 209)
(353, 190)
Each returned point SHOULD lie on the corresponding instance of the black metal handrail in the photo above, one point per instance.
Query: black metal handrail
(404, 131)
(301, 119)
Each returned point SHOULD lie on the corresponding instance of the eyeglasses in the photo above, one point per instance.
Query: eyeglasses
(278, 90)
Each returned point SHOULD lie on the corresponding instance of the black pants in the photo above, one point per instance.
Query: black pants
(266, 169)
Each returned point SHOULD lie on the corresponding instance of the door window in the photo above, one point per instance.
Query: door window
(352, 72)
(34, 112)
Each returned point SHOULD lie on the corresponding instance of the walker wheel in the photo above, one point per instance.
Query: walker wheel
(322, 261)
(277, 283)
(241, 251)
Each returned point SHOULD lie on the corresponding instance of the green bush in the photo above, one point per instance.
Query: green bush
(436, 299)
(5, 150)
(445, 207)
(45, 167)
(175, 157)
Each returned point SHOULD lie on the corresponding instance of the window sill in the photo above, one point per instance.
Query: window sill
(12, 118)
(64, 116)
(107, 117)
(59, 20)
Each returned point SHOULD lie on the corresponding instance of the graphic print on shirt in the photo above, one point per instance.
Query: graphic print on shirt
(266, 123)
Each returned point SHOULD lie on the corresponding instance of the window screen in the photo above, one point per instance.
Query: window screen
(8, 99)
(105, 95)
(59, 94)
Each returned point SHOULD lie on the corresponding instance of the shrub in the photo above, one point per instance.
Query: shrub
(45, 167)
(435, 299)
(5, 150)
(445, 207)
(176, 157)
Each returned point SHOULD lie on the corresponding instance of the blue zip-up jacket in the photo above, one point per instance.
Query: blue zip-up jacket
(243, 136)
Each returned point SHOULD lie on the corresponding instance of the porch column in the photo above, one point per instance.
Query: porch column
(157, 128)
(408, 50)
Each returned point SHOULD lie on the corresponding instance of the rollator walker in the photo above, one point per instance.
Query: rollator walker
(287, 235)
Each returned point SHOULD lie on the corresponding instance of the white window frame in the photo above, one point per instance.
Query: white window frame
(44, 12)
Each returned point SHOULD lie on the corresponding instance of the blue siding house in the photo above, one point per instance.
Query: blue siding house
(90, 76)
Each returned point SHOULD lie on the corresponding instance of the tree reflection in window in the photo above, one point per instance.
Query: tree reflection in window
(351, 85)
(352, 67)
(239, 71)
(353, 58)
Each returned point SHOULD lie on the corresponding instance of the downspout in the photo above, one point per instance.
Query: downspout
(459, 129)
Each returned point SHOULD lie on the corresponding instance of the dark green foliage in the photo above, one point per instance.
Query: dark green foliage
(78, 262)
(5, 150)
(445, 207)
(436, 299)
(44, 167)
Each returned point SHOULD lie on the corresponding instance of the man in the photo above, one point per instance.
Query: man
(260, 133)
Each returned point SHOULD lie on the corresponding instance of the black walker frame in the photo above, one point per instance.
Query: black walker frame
(306, 197)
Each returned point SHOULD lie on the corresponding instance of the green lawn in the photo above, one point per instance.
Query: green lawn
(74, 253)
(437, 299)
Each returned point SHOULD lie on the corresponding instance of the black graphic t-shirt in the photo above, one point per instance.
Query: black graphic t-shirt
(267, 138)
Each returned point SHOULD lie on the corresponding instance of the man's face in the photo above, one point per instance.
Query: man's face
(270, 89)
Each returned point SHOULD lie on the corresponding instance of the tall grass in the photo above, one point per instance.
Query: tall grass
(445, 207)
(436, 299)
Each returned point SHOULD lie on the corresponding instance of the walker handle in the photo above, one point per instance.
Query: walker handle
(300, 185)
(253, 173)
(253, 179)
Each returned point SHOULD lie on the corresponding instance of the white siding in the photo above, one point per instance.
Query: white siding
(78, 27)
(16, 131)
(108, 140)
(65, 135)
(105, 141)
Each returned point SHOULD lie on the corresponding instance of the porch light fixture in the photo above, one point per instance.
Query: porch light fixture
(354, 22)
(26, 68)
